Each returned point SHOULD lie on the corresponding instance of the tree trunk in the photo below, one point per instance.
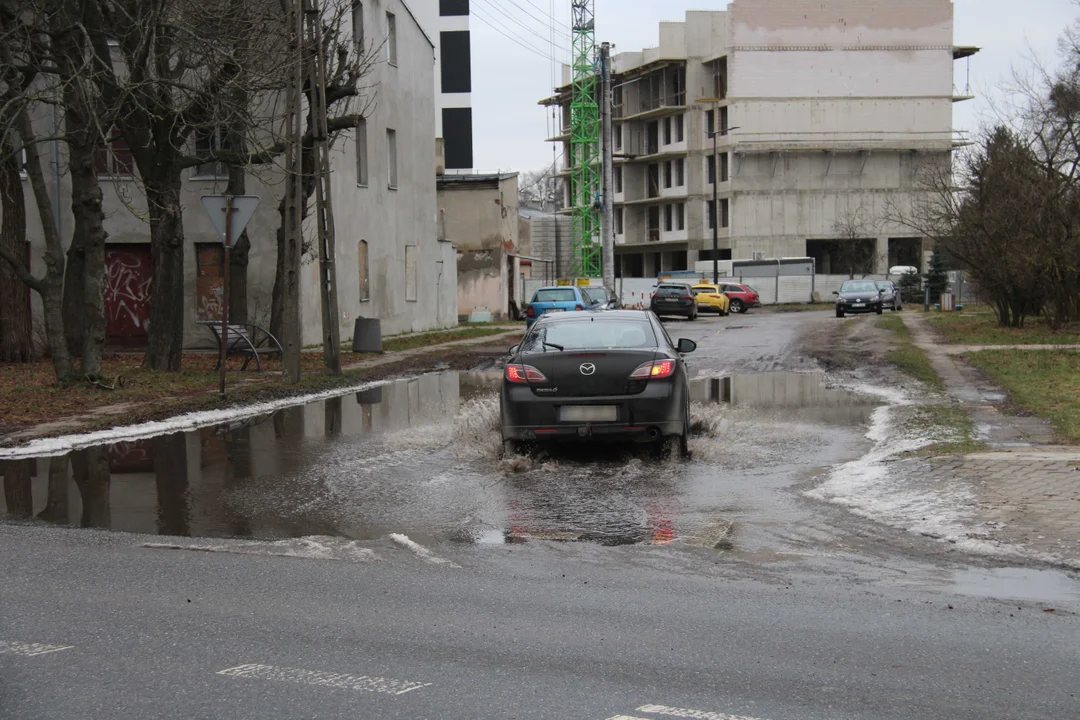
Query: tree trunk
(74, 291)
(90, 468)
(51, 287)
(56, 503)
(165, 343)
(16, 339)
(17, 488)
(86, 206)
(171, 473)
(277, 299)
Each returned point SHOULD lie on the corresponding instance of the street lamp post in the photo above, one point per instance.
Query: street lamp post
(715, 102)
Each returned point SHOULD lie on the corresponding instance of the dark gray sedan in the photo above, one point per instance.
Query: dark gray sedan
(859, 296)
(595, 376)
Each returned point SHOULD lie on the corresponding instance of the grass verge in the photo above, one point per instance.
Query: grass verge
(1044, 383)
(951, 423)
(907, 356)
(981, 328)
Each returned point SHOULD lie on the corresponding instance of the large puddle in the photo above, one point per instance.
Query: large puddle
(423, 457)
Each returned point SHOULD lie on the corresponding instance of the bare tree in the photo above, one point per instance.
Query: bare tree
(856, 227)
(16, 340)
(539, 189)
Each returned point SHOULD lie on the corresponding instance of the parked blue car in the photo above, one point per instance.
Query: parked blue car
(557, 299)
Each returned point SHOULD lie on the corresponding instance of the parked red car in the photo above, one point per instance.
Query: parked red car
(743, 297)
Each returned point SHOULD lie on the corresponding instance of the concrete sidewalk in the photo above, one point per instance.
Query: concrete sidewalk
(1027, 488)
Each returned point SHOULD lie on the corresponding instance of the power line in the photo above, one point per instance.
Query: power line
(547, 20)
(547, 14)
(502, 11)
(509, 34)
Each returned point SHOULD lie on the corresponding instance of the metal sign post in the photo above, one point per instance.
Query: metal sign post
(230, 215)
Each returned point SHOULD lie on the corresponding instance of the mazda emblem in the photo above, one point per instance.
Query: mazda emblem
(588, 369)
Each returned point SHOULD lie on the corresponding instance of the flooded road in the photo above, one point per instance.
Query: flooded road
(422, 457)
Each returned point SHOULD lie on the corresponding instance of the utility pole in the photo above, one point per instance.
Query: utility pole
(291, 336)
(607, 234)
(324, 211)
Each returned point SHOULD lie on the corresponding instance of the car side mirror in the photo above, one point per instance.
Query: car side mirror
(836, 292)
(686, 346)
(514, 349)
(881, 291)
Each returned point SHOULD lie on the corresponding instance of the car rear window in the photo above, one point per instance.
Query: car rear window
(671, 291)
(595, 294)
(555, 295)
(596, 334)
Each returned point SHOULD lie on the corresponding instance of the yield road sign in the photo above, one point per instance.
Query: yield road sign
(243, 207)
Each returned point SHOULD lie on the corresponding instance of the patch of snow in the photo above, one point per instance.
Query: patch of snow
(47, 447)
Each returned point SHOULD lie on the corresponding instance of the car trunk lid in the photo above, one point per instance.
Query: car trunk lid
(588, 373)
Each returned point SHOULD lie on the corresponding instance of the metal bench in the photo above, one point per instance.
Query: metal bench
(246, 340)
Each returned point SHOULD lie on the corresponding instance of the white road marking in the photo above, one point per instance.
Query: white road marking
(684, 713)
(625, 717)
(420, 550)
(325, 679)
(25, 649)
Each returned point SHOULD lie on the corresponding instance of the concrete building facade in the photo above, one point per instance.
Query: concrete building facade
(823, 114)
(478, 213)
(390, 262)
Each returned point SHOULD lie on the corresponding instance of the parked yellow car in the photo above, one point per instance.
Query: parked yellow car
(710, 299)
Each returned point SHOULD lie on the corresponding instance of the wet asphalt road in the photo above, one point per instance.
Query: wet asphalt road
(590, 586)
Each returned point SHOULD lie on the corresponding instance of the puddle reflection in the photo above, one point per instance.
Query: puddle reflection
(416, 456)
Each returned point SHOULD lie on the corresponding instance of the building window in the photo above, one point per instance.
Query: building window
(667, 174)
(618, 179)
(680, 216)
(362, 268)
(112, 160)
(361, 153)
(724, 167)
(391, 38)
(723, 121)
(680, 129)
(710, 214)
(450, 8)
(667, 131)
(680, 172)
(618, 221)
(410, 272)
(710, 122)
(669, 218)
(358, 26)
(724, 219)
(206, 142)
(617, 132)
(391, 158)
(455, 61)
(710, 169)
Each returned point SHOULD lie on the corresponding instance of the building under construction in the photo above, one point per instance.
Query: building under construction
(824, 116)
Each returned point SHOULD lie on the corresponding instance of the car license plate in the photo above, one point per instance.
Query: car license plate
(588, 413)
(554, 310)
(858, 304)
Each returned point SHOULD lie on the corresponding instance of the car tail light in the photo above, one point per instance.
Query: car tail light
(654, 370)
(686, 297)
(523, 374)
(579, 307)
(531, 312)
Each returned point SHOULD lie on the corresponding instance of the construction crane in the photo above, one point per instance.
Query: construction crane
(585, 144)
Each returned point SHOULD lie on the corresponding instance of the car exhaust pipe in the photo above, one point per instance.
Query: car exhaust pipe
(654, 433)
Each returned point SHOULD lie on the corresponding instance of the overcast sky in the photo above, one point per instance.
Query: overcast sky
(508, 79)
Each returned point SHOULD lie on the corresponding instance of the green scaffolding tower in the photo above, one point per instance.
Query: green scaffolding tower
(585, 145)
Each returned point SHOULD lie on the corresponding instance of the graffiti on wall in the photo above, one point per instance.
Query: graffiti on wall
(127, 291)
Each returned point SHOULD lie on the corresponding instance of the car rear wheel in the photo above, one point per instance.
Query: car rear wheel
(839, 313)
(737, 306)
(513, 446)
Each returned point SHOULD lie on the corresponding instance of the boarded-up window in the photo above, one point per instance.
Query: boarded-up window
(410, 272)
(358, 26)
(391, 158)
(114, 158)
(209, 281)
(361, 153)
(391, 39)
(362, 266)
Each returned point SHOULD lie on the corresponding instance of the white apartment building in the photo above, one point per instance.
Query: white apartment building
(823, 112)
